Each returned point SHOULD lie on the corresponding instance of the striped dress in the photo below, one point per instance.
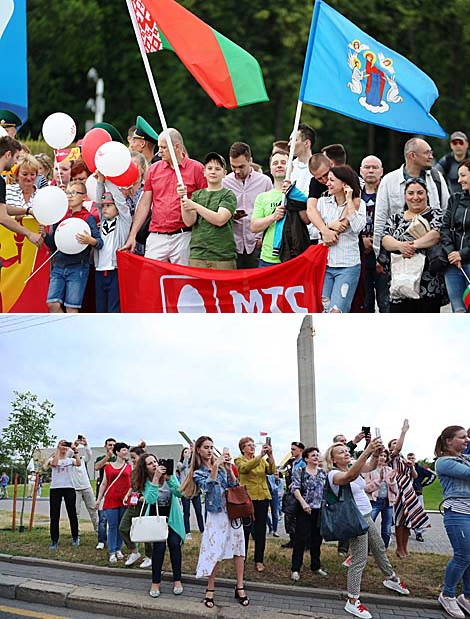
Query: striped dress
(407, 509)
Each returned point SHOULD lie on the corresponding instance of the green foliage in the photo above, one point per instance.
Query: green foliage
(27, 430)
(66, 39)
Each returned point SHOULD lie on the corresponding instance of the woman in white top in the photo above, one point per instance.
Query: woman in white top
(341, 473)
(340, 217)
(21, 193)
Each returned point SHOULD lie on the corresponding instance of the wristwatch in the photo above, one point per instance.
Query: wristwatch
(28, 208)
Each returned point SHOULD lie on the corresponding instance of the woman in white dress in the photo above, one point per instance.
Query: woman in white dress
(220, 540)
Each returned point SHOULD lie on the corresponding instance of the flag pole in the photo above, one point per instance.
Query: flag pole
(153, 88)
(40, 267)
(294, 137)
(465, 275)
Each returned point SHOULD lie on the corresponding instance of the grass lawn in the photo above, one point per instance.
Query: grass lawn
(44, 491)
(432, 495)
(415, 571)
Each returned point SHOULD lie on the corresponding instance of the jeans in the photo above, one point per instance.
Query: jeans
(257, 529)
(67, 285)
(196, 501)
(107, 292)
(377, 286)
(456, 284)
(248, 261)
(113, 518)
(307, 527)
(102, 527)
(458, 531)
(274, 505)
(55, 501)
(174, 545)
(339, 287)
(381, 506)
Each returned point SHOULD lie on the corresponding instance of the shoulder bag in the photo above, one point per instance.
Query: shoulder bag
(340, 518)
(437, 255)
(290, 505)
(239, 504)
(149, 528)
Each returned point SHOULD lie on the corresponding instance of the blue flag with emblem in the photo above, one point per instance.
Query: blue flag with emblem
(14, 82)
(349, 72)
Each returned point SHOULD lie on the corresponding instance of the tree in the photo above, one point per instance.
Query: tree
(27, 430)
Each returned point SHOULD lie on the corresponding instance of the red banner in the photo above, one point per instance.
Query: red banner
(153, 286)
(20, 258)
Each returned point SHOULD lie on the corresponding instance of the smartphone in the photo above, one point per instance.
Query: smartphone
(268, 441)
(80, 437)
(377, 432)
(225, 450)
(67, 443)
(366, 430)
(168, 463)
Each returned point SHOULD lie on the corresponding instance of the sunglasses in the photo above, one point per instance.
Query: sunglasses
(412, 181)
(460, 142)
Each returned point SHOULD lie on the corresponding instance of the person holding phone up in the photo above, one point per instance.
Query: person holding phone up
(252, 471)
(62, 488)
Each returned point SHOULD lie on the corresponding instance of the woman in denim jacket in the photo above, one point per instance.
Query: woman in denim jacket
(453, 470)
(220, 540)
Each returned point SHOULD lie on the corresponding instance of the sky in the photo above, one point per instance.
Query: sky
(148, 376)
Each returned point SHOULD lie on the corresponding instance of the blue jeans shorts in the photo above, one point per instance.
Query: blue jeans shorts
(67, 285)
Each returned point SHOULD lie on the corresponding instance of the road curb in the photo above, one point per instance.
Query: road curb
(265, 588)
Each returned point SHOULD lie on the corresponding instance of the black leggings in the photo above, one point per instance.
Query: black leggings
(55, 500)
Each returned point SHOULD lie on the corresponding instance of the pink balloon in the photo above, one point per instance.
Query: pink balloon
(127, 178)
(91, 142)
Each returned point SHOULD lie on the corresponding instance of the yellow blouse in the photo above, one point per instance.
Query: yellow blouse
(252, 473)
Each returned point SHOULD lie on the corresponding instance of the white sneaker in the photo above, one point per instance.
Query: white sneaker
(320, 572)
(464, 603)
(112, 558)
(189, 536)
(119, 554)
(357, 609)
(295, 576)
(396, 585)
(132, 558)
(99, 546)
(451, 606)
(146, 563)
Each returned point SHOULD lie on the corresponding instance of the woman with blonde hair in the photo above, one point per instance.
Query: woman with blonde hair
(21, 192)
(220, 540)
(340, 473)
(252, 471)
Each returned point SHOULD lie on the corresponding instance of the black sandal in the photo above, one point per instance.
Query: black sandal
(209, 602)
(243, 600)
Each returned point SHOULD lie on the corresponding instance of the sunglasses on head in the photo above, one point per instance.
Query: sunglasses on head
(412, 181)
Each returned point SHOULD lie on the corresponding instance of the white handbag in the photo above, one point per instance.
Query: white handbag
(406, 276)
(149, 528)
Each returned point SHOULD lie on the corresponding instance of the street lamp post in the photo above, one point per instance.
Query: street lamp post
(98, 104)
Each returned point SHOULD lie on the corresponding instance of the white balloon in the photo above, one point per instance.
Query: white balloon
(112, 159)
(49, 205)
(65, 235)
(3, 132)
(91, 186)
(59, 130)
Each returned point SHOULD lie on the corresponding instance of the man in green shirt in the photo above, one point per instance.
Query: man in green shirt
(209, 212)
(267, 210)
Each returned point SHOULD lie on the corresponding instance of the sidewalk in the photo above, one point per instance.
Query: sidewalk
(124, 594)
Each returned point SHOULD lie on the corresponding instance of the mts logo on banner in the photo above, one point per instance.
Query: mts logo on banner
(183, 294)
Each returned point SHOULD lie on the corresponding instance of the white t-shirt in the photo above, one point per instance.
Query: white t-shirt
(61, 476)
(357, 488)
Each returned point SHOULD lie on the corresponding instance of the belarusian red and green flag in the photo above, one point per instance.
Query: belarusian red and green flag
(466, 298)
(228, 73)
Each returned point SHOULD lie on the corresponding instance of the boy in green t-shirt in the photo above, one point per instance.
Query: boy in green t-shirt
(209, 212)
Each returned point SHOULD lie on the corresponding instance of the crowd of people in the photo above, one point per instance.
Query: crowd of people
(397, 242)
(131, 482)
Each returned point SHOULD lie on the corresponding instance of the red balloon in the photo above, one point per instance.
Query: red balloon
(91, 142)
(127, 178)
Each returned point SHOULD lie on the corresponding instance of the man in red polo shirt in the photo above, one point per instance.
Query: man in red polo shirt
(169, 238)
